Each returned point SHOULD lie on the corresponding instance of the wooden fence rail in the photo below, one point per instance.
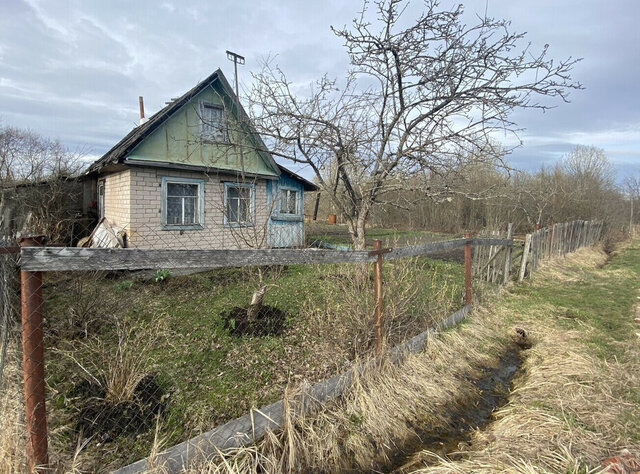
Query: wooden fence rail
(45, 259)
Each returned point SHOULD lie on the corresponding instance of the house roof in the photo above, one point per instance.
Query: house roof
(306, 184)
(119, 152)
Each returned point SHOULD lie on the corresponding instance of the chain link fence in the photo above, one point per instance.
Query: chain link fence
(151, 345)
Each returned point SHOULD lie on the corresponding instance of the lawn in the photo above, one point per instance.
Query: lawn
(128, 352)
(339, 235)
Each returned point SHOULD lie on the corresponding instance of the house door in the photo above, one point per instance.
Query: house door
(100, 199)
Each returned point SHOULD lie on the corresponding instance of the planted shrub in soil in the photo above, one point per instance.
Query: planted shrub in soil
(109, 419)
(268, 321)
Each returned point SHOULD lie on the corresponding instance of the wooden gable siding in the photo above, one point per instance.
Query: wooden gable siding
(177, 140)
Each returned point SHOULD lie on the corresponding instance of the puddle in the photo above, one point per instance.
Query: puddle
(450, 443)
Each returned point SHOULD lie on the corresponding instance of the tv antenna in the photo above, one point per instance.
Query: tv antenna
(237, 59)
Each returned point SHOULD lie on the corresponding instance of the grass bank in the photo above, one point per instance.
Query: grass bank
(574, 402)
(126, 355)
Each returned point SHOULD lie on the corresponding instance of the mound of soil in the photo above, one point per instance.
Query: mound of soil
(268, 322)
(110, 420)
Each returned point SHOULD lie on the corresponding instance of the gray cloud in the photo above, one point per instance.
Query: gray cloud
(74, 69)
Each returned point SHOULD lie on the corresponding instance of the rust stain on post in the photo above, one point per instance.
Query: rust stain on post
(377, 295)
(33, 363)
(467, 269)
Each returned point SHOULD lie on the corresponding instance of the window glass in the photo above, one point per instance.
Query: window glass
(238, 204)
(288, 201)
(213, 124)
(182, 203)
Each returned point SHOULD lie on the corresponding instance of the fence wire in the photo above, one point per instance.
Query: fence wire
(140, 360)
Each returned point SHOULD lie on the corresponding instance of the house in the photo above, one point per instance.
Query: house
(197, 175)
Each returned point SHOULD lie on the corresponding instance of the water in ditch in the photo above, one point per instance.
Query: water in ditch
(494, 386)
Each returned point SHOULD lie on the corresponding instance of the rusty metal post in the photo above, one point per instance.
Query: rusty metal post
(33, 363)
(467, 269)
(377, 296)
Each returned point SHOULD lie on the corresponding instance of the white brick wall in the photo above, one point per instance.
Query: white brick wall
(140, 189)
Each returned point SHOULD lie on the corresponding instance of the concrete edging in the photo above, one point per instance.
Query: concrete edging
(252, 426)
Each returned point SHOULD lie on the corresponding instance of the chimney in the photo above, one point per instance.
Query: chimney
(142, 118)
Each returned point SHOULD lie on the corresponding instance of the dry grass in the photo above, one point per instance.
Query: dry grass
(12, 440)
(385, 406)
(568, 411)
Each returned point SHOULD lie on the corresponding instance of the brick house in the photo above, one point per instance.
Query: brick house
(197, 175)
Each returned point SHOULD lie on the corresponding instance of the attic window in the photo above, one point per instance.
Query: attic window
(213, 126)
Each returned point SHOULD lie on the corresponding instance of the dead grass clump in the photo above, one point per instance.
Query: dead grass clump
(12, 428)
(570, 411)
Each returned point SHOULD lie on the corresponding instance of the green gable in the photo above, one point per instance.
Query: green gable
(178, 139)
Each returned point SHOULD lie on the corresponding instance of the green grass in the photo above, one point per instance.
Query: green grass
(210, 376)
(339, 234)
(597, 301)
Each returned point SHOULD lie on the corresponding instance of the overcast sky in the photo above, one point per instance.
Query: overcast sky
(73, 70)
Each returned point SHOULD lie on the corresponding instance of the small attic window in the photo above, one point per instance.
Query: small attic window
(213, 124)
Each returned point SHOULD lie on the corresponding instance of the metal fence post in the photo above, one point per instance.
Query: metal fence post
(33, 363)
(467, 269)
(377, 296)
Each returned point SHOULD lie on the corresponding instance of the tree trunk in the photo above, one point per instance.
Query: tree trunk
(256, 303)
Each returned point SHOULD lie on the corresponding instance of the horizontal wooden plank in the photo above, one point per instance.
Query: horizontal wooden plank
(425, 249)
(481, 242)
(71, 258)
(91, 259)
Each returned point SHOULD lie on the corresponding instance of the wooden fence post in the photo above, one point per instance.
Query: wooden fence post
(467, 269)
(33, 363)
(508, 254)
(525, 254)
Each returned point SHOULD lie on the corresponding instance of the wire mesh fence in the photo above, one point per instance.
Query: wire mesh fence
(148, 347)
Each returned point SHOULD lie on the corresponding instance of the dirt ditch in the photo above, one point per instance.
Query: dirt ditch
(453, 441)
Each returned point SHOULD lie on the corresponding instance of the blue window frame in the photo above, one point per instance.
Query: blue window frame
(182, 203)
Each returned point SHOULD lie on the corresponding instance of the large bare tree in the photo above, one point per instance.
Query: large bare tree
(416, 101)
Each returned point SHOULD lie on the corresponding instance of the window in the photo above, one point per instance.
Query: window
(288, 201)
(239, 204)
(182, 204)
(213, 124)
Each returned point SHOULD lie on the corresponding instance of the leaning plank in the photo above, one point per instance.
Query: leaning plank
(70, 258)
(252, 426)
(525, 254)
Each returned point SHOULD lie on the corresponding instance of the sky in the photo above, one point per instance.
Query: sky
(73, 70)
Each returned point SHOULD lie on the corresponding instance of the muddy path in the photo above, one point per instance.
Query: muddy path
(493, 386)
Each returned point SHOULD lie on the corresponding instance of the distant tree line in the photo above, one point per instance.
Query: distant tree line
(479, 194)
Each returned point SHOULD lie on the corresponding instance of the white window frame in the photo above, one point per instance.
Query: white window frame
(287, 189)
(252, 204)
(288, 216)
(205, 133)
(200, 203)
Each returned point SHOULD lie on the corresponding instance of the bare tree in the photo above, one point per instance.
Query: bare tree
(417, 101)
(38, 191)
